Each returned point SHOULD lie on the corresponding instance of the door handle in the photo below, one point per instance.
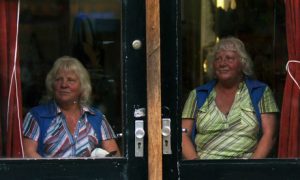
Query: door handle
(137, 44)
(139, 131)
(166, 135)
(139, 138)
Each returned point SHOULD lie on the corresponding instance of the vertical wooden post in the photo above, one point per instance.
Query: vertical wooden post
(153, 90)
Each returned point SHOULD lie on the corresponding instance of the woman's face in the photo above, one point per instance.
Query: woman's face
(227, 66)
(66, 87)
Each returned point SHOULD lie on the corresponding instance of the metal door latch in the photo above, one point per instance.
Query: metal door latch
(139, 138)
(166, 135)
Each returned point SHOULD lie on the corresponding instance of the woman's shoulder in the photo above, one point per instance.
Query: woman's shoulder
(206, 86)
(45, 109)
(94, 110)
(254, 83)
(204, 90)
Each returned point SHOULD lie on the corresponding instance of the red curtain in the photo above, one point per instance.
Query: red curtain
(289, 136)
(10, 85)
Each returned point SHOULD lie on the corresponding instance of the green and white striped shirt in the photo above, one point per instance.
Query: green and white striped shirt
(229, 136)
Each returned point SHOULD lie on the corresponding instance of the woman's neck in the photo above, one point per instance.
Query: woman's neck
(229, 84)
(70, 107)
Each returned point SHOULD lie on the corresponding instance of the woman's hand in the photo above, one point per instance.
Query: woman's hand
(269, 136)
(188, 149)
(30, 148)
(110, 145)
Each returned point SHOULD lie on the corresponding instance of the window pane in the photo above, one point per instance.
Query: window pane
(259, 24)
(88, 30)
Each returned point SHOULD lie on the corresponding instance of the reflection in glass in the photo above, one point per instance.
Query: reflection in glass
(205, 22)
(88, 30)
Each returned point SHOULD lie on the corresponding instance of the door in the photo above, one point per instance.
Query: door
(111, 35)
(171, 83)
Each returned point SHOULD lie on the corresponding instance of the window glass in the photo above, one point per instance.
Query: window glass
(259, 24)
(88, 30)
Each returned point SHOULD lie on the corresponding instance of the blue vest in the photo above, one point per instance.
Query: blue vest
(256, 90)
(45, 113)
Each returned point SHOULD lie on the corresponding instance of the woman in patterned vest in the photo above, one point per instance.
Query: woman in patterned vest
(232, 116)
(66, 126)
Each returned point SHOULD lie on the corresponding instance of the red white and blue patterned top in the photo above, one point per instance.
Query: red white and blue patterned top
(60, 143)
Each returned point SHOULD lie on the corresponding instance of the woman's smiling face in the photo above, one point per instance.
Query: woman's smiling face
(227, 65)
(67, 87)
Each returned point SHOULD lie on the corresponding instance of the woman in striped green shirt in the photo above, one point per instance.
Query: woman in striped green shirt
(226, 124)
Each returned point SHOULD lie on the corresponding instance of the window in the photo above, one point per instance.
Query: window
(259, 24)
(88, 30)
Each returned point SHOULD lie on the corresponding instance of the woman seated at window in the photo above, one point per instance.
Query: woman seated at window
(67, 126)
(233, 116)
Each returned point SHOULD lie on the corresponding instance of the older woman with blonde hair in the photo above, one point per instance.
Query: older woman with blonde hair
(233, 115)
(66, 126)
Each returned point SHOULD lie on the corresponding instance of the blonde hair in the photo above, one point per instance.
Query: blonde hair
(70, 64)
(231, 44)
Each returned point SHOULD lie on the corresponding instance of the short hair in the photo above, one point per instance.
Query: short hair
(74, 65)
(231, 44)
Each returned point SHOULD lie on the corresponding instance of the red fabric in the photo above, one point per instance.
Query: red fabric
(11, 109)
(289, 136)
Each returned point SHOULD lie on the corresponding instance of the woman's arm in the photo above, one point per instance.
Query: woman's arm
(110, 145)
(269, 136)
(30, 148)
(188, 149)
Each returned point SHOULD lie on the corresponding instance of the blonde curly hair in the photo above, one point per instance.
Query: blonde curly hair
(231, 44)
(70, 64)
